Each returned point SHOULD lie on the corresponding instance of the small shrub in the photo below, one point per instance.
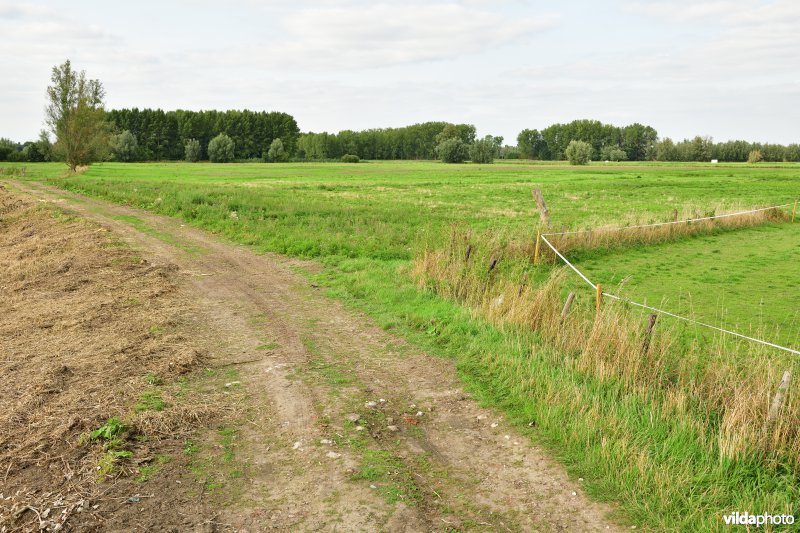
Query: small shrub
(125, 147)
(220, 149)
(276, 152)
(578, 152)
(613, 153)
(193, 151)
(755, 156)
(483, 150)
(452, 151)
(350, 158)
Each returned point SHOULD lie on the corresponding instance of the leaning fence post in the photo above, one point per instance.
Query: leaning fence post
(777, 401)
(649, 333)
(469, 252)
(522, 284)
(567, 305)
(544, 214)
(536, 250)
(492, 264)
(599, 298)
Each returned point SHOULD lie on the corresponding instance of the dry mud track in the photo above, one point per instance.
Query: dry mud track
(349, 428)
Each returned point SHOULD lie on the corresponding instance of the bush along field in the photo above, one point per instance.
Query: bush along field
(672, 427)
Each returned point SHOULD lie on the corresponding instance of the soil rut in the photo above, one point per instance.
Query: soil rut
(349, 428)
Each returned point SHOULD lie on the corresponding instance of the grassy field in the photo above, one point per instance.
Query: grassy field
(746, 280)
(662, 448)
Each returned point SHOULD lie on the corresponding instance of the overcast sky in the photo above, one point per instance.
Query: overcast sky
(725, 68)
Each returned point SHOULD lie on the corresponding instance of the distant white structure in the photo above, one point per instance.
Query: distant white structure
(714, 161)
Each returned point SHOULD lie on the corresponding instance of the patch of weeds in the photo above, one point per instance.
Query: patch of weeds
(267, 346)
(147, 472)
(395, 482)
(190, 448)
(133, 301)
(257, 319)
(109, 431)
(228, 437)
(152, 379)
(155, 330)
(107, 466)
(310, 345)
(150, 400)
(110, 434)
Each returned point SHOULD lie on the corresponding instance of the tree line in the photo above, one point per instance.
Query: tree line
(418, 141)
(637, 142)
(163, 135)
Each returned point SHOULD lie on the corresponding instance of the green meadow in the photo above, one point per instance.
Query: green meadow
(366, 223)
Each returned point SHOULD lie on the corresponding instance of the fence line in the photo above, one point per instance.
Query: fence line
(686, 221)
(662, 311)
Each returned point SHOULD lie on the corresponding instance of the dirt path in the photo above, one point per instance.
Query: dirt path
(349, 428)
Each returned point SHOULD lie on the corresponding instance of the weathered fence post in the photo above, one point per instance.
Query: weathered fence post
(794, 211)
(522, 284)
(599, 299)
(777, 401)
(543, 212)
(649, 333)
(567, 305)
(469, 252)
(536, 250)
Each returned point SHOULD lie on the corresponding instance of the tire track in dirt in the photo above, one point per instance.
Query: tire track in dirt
(324, 452)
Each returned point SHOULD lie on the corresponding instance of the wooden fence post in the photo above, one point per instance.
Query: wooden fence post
(777, 401)
(469, 252)
(543, 212)
(794, 211)
(599, 298)
(522, 284)
(567, 305)
(649, 333)
(536, 250)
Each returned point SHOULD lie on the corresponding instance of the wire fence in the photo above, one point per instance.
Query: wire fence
(662, 311)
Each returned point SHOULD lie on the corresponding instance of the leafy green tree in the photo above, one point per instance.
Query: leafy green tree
(220, 149)
(637, 141)
(485, 150)
(350, 158)
(9, 150)
(700, 149)
(578, 152)
(666, 150)
(463, 132)
(192, 151)
(452, 150)
(76, 116)
(124, 147)
(613, 153)
(276, 153)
